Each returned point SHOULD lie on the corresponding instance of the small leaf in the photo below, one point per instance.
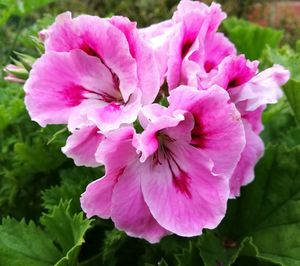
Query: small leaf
(73, 184)
(66, 230)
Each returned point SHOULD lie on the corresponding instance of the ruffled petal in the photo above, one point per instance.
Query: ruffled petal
(244, 171)
(234, 71)
(129, 210)
(113, 115)
(218, 129)
(96, 37)
(96, 200)
(262, 89)
(59, 82)
(118, 142)
(194, 22)
(158, 36)
(147, 69)
(182, 193)
(148, 142)
(82, 145)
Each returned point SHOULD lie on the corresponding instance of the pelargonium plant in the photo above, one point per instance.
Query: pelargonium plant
(171, 111)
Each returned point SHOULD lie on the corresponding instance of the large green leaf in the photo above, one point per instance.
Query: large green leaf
(267, 213)
(27, 244)
(251, 39)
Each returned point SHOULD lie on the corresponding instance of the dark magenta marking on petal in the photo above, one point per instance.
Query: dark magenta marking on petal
(73, 95)
(86, 48)
(198, 134)
(185, 48)
(208, 66)
(181, 182)
(180, 178)
(234, 83)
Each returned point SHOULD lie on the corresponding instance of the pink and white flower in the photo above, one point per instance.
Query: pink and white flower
(179, 183)
(94, 69)
(101, 77)
(250, 91)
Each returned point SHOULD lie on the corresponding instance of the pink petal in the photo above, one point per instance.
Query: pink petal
(113, 115)
(59, 82)
(194, 23)
(254, 119)
(182, 194)
(150, 113)
(147, 69)
(100, 38)
(262, 89)
(158, 36)
(129, 210)
(217, 47)
(234, 71)
(148, 142)
(218, 129)
(96, 200)
(115, 152)
(82, 145)
(244, 171)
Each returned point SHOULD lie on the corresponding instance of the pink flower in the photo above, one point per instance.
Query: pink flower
(188, 45)
(180, 181)
(250, 91)
(94, 69)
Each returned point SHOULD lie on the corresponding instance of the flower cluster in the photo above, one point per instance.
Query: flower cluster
(171, 111)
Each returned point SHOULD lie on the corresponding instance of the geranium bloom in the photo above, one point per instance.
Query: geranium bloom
(94, 69)
(250, 91)
(179, 183)
(101, 77)
(188, 45)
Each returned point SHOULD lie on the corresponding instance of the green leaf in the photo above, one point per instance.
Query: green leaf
(217, 250)
(292, 92)
(251, 39)
(25, 244)
(277, 121)
(66, 230)
(267, 213)
(286, 57)
(33, 156)
(73, 184)
(189, 256)
(113, 241)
